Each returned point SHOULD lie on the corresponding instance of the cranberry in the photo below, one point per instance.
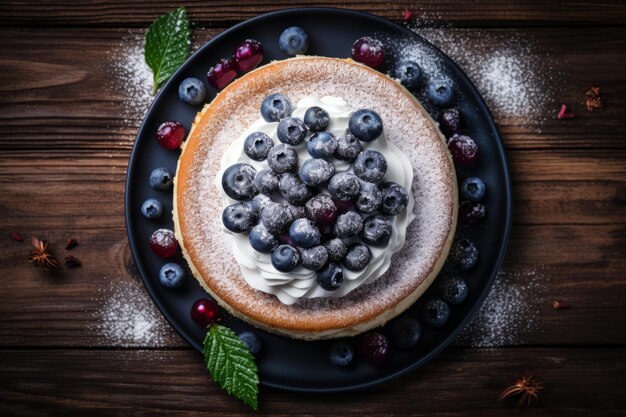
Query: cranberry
(204, 312)
(368, 51)
(170, 135)
(472, 213)
(450, 122)
(322, 210)
(344, 206)
(164, 243)
(373, 348)
(463, 149)
(220, 75)
(248, 55)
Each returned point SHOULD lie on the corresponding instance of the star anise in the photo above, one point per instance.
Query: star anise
(593, 99)
(527, 387)
(41, 257)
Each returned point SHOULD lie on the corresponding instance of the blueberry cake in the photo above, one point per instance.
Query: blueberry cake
(315, 198)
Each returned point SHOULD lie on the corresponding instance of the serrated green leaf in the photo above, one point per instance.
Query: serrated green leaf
(167, 45)
(231, 364)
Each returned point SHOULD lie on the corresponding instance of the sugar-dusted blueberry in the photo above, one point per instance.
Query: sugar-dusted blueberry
(191, 91)
(348, 147)
(316, 118)
(171, 275)
(282, 158)
(170, 135)
(322, 209)
(321, 145)
(472, 213)
(293, 41)
(440, 91)
(252, 342)
(239, 217)
(304, 233)
(293, 189)
(257, 145)
(248, 55)
(369, 198)
(330, 277)
(258, 203)
(274, 107)
(344, 186)
(297, 212)
(341, 353)
(163, 243)
(261, 240)
(376, 230)
(238, 181)
(370, 166)
(405, 332)
(473, 189)
(152, 209)
(366, 125)
(407, 72)
(395, 198)
(161, 179)
(222, 73)
(276, 218)
(464, 254)
(285, 258)
(373, 348)
(314, 258)
(266, 181)
(453, 289)
(336, 249)
(463, 149)
(316, 171)
(347, 225)
(291, 130)
(357, 257)
(450, 122)
(435, 312)
(369, 51)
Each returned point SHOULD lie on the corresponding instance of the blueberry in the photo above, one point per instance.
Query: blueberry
(348, 147)
(304, 233)
(472, 213)
(473, 189)
(369, 198)
(347, 225)
(370, 166)
(274, 107)
(257, 145)
(161, 179)
(435, 312)
(336, 250)
(293, 189)
(464, 254)
(440, 91)
(316, 171)
(285, 258)
(314, 258)
(331, 277)
(239, 217)
(252, 341)
(344, 186)
(450, 122)
(297, 212)
(238, 181)
(316, 118)
(192, 91)
(261, 240)
(276, 218)
(321, 145)
(357, 257)
(266, 181)
(453, 289)
(376, 230)
(258, 203)
(406, 332)
(291, 130)
(282, 158)
(293, 41)
(408, 73)
(395, 198)
(152, 208)
(366, 125)
(171, 275)
(341, 353)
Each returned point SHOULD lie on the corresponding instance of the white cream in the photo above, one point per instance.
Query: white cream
(289, 287)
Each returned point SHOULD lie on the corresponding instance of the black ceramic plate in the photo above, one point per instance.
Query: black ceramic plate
(286, 363)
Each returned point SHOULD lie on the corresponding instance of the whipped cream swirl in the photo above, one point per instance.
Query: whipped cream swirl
(289, 287)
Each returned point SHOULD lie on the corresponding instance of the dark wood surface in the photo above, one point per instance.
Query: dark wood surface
(65, 137)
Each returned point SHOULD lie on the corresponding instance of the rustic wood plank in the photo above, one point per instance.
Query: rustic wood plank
(61, 88)
(579, 382)
(493, 12)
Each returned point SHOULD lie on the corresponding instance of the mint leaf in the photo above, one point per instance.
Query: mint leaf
(231, 364)
(167, 45)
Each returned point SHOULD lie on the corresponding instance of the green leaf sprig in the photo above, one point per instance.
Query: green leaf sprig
(167, 45)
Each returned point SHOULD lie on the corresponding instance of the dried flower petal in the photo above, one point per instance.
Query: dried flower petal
(560, 305)
(71, 243)
(593, 100)
(72, 261)
(407, 15)
(564, 114)
(527, 387)
(41, 257)
(16, 236)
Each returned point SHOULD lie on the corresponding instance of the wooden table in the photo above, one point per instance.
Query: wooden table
(66, 133)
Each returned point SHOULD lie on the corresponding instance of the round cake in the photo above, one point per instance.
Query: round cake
(243, 281)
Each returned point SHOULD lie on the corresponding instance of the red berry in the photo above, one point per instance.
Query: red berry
(344, 206)
(369, 51)
(220, 75)
(248, 55)
(204, 312)
(322, 210)
(463, 149)
(170, 135)
(163, 243)
(373, 348)
(450, 122)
